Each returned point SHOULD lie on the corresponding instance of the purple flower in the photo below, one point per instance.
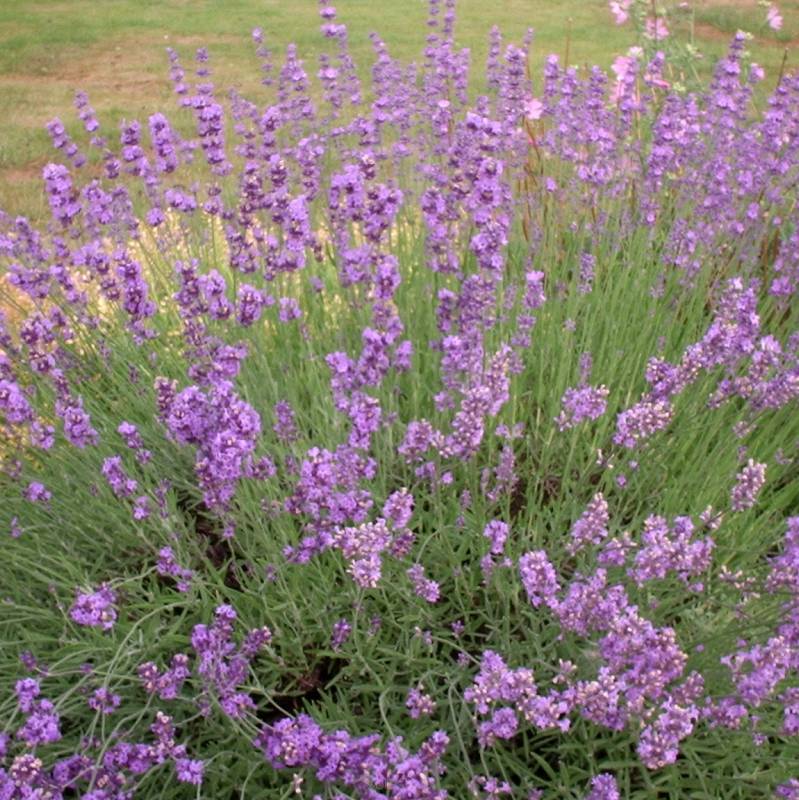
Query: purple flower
(104, 701)
(289, 309)
(141, 508)
(14, 404)
(121, 485)
(603, 787)
(250, 303)
(168, 565)
(95, 609)
(42, 725)
(363, 547)
(667, 550)
(164, 143)
(222, 666)
(587, 267)
(189, 770)
(419, 704)
(63, 198)
(27, 690)
(757, 672)
(398, 508)
(42, 722)
(488, 788)
(77, 424)
(341, 632)
(749, 483)
(130, 433)
(659, 740)
(225, 430)
(423, 587)
(591, 528)
(166, 685)
(539, 578)
(37, 493)
(584, 402)
(642, 421)
(285, 423)
(497, 532)
(503, 724)
(355, 761)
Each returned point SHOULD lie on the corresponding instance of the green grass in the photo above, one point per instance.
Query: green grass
(48, 50)
(726, 18)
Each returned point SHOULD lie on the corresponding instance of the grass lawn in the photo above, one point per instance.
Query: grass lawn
(50, 49)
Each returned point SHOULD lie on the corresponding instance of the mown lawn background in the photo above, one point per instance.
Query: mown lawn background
(115, 51)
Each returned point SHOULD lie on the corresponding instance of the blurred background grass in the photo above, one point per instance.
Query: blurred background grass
(115, 51)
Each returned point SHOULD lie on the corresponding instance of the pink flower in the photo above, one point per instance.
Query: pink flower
(533, 108)
(656, 28)
(756, 73)
(657, 81)
(619, 9)
(621, 66)
(774, 18)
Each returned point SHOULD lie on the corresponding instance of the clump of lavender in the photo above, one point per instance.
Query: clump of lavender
(365, 439)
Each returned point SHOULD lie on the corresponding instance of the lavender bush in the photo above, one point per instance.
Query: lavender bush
(391, 442)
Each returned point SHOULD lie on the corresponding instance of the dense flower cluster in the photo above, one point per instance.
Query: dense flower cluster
(105, 773)
(97, 608)
(221, 666)
(356, 762)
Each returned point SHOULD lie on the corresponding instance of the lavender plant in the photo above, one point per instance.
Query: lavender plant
(394, 442)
